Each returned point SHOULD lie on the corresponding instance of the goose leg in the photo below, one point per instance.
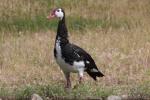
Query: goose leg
(68, 84)
(80, 80)
(81, 71)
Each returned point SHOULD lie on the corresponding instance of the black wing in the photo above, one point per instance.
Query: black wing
(73, 53)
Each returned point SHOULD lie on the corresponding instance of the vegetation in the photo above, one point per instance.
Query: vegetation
(114, 32)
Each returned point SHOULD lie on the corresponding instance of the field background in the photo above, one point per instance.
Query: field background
(115, 32)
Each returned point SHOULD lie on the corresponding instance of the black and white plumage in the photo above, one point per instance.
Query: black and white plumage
(70, 57)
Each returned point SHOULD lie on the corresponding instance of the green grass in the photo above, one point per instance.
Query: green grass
(4, 92)
(20, 15)
(142, 89)
(80, 92)
(19, 24)
(57, 91)
(40, 23)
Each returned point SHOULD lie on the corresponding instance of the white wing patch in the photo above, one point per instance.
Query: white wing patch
(79, 64)
(94, 70)
(87, 62)
(80, 67)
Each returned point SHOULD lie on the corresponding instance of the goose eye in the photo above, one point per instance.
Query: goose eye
(58, 10)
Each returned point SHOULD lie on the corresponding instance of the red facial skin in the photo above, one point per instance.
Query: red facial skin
(51, 15)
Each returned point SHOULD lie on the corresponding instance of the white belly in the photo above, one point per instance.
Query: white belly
(76, 67)
(65, 66)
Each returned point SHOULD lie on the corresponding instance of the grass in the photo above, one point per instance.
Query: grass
(20, 15)
(40, 23)
(115, 33)
(57, 91)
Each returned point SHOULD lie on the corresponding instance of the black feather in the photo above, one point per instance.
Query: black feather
(95, 74)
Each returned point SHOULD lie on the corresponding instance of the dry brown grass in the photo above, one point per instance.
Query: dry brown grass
(28, 60)
(123, 54)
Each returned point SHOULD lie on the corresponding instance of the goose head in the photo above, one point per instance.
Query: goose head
(56, 13)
